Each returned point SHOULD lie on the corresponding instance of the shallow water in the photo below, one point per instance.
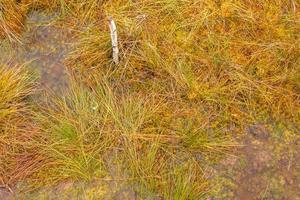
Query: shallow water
(43, 48)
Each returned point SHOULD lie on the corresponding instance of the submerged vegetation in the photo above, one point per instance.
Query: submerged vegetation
(192, 76)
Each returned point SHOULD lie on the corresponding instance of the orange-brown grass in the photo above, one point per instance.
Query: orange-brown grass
(81, 10)
(12, 16)
(50, 5)
(18, 157)
(237, 56)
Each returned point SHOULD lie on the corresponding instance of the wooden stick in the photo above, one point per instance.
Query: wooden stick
(114, 40)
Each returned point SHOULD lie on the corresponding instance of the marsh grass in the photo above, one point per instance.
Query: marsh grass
(18, 156)
(192, 75)
(12, 17)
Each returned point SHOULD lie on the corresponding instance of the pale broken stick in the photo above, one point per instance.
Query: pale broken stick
(114, 40)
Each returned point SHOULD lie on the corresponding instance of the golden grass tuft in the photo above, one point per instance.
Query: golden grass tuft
(18, 158)
(96, 130)
(12, 17)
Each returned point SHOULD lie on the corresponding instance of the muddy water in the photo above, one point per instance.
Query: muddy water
(43, 48)
(46, 46)
(267, 166)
